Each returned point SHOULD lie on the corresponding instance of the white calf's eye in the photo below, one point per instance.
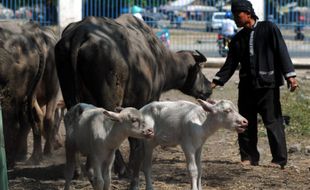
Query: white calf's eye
(228, 110)
(135, 121)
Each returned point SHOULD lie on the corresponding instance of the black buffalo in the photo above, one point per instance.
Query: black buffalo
(21, 68)
(28, 77)
(47, 93)
(121, 62)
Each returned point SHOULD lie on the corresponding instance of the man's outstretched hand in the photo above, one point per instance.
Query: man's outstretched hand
(292, 84)
(213, 85)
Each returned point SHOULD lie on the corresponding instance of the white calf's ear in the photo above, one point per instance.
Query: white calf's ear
(112, 115)
(208, 107)
(212, 101)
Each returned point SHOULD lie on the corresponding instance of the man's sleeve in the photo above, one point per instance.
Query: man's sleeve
(282, 56)
(226, 71)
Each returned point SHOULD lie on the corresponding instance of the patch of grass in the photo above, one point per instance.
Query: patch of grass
(297, 107)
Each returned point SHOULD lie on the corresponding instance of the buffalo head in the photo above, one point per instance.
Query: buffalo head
(196, 84)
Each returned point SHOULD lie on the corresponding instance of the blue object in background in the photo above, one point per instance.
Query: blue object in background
(164, 36)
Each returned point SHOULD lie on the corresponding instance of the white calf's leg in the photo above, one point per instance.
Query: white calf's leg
(147, 166)
(98, 180)
(192, 167)
(69, 171)
(70, 164)
(198, 163)
(106, 168)
(90, 170)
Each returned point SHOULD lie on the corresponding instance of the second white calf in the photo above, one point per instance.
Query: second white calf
(188, 125)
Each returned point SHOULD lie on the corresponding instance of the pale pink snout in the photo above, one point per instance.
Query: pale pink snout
(242, 125)
(148, 133)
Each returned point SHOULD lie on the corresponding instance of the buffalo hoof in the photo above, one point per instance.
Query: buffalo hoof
(58, 143)
(21, 157)
(47, 150)
(124, 173)
(10, 164)
(35, 160)
(134, 185)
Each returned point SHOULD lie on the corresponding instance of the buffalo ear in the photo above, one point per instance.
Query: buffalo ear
(199, 57)
(208, 107)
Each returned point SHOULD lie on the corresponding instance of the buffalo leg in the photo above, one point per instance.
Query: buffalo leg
(22, 147)
(23, 131)
(48, 126)
(120, 167)
(37, 153)
(135, 154)
(59, 115)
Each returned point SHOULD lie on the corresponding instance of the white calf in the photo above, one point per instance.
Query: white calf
(97, 133)
(188, 125)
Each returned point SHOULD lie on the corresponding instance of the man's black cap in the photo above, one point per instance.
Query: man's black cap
(243, 6)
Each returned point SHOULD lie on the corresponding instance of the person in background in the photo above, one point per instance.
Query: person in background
(264, 61)
(229, 27)
(136, 11)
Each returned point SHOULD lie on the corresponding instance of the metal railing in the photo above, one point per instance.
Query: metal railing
(187, 21)
(42, 11)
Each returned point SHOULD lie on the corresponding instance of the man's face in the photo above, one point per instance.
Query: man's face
(241, 18)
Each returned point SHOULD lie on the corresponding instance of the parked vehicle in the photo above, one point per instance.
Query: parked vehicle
(216, 21)
(153, 19)
(44, 14)
(24, 13)
(6, 13)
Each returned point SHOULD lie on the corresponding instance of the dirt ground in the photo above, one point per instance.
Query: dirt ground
(220, 161)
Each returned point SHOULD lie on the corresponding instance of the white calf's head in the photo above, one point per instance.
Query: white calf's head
(223, 113)
(132, 120)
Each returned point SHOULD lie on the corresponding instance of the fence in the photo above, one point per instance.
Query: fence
(189, 22)
(42, 11)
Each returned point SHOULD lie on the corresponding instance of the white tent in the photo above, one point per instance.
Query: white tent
(201, 8)
(177, 5)
(181, 2)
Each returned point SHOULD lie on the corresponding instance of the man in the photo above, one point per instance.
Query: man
(264, 61)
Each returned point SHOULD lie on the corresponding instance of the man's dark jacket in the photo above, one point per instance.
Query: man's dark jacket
(269, 64)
